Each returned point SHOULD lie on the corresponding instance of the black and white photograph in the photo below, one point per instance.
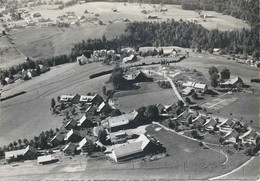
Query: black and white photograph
(130, 90)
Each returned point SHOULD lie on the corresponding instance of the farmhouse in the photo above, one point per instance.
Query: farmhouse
(197, 86)
(121, 137)
(236, 82)
(187, 91)
(173, 109)
(136, 76)
(231, 136)
(71, 124)
(69, 98)
(82, 59)
(144, 144)
(57, 139)
(131, 58)
(161, 108)
(169, 52)
(27, 153)
(210, 124)
(128, 51)
(127, 152)
(250, 137)
(46, 159)
(226, 125)
(91, 111)
(73, 136)
(198, 121)
(104, 107)
(95, 99)
(85, 145)
(69, 149)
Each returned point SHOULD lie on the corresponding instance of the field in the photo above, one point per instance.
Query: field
(218, 103)
(38, 42)
(28, 115)
(148, 94)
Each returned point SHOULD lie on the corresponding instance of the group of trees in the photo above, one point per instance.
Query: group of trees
(40, 141)
(214, 75)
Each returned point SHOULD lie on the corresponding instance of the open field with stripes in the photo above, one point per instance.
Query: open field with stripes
(219, 103)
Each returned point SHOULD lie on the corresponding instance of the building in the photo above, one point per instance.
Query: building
(104, 107)
(73, 136)
(27, 153)
(144, 144)
(70, 149)
(131, 58)
(198, 121)
(152, 17)
(235, 82)
(197, 86)
(71, 124)
(226, 125)
(85, 145)
(231, 136)
(91, 111)
(46, 159)
(122, 122)
(82, 59)
(95, 99)
(187, 91)
(210, 124)
(173, 109)
(121, 137)
(69, 98)
(161, 108)
(136, 76)
(250, 137)
(57, 139)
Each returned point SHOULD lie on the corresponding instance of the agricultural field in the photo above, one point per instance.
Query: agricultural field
(51, 41)
(17, 113)
(148, 94)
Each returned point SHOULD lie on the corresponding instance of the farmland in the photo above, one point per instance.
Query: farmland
(149, 94)
(50, 41)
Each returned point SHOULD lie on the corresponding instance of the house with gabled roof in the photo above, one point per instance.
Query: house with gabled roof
(104, 107)
(210, 124)
(57, 139)
(69, 98)
(82, 59)
(91, 111)
(85, 145)
(46, 159)
(121, 136)
(161, 108)
(173, 109)
(71, 124)
(226, 125)
(250, 137)
(131, 58)
(70, 149)
(95, 99)
(27, 153)
(235, 82)
(198, 121)
(231, 136)
(199, 87)
(73, 136)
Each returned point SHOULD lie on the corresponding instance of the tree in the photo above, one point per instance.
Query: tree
(104, 89)
(152, 113)
(102, 136)
(214, 80)
(25, 141)
(187, 99)
(181, 103)
(117, 77)
(115, 112)
(213, 70)
(194, 95)
(225, 73)
(53, 102)
(19, 141)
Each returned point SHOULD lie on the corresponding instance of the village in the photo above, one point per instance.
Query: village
(128, 90)
(94, 123)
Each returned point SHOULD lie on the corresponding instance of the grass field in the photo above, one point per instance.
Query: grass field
(149, 94)
(218, 103)
(40, 42)
(28, 115)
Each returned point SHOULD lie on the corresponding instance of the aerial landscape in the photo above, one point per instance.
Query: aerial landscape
(129, 90)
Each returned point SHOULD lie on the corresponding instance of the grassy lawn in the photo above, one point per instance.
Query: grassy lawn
(186, 156)
(149, 93)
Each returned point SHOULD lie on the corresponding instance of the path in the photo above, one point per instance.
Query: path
(236, 169)
(172, 84)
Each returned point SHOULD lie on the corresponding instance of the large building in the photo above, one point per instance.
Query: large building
(27, 153)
